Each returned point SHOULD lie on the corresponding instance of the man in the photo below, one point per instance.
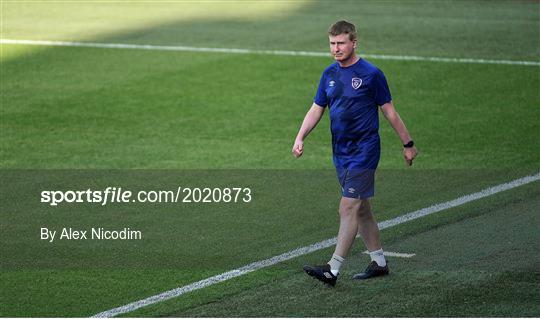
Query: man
(353, 89)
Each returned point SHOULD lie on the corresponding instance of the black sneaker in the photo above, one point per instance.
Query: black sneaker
(372, 270)
(322, 273)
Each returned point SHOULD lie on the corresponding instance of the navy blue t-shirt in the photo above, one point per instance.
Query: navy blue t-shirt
(353, 95)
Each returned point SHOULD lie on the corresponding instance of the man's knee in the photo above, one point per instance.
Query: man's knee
(364, 209)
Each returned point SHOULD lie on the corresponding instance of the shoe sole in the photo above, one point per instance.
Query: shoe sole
(313, 274)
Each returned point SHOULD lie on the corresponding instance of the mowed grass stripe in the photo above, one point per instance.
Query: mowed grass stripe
(150, 109)
(314, 247)
(261, 52)
(468, 264)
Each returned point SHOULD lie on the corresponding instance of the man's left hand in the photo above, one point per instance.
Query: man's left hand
(409, 153)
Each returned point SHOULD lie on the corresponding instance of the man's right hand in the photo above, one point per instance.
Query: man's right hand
(298, 148)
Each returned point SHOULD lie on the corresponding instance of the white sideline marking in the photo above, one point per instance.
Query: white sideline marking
(393, 254)
(314, 247)
(264, 52)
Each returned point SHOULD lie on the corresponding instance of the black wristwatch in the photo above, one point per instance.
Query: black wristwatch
(409, 145)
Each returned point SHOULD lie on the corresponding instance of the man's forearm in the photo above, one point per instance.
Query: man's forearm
(397, 124)
(313, 116)
(400, 129)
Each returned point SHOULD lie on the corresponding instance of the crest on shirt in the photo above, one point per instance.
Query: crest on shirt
(331, 83)
(356, 82)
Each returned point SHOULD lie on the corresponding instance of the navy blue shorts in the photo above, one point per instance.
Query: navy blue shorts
(357, 183)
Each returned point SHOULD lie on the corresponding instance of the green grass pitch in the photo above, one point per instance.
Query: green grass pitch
(89, 117)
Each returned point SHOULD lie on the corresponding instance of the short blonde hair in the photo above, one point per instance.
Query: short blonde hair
(342, 27)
